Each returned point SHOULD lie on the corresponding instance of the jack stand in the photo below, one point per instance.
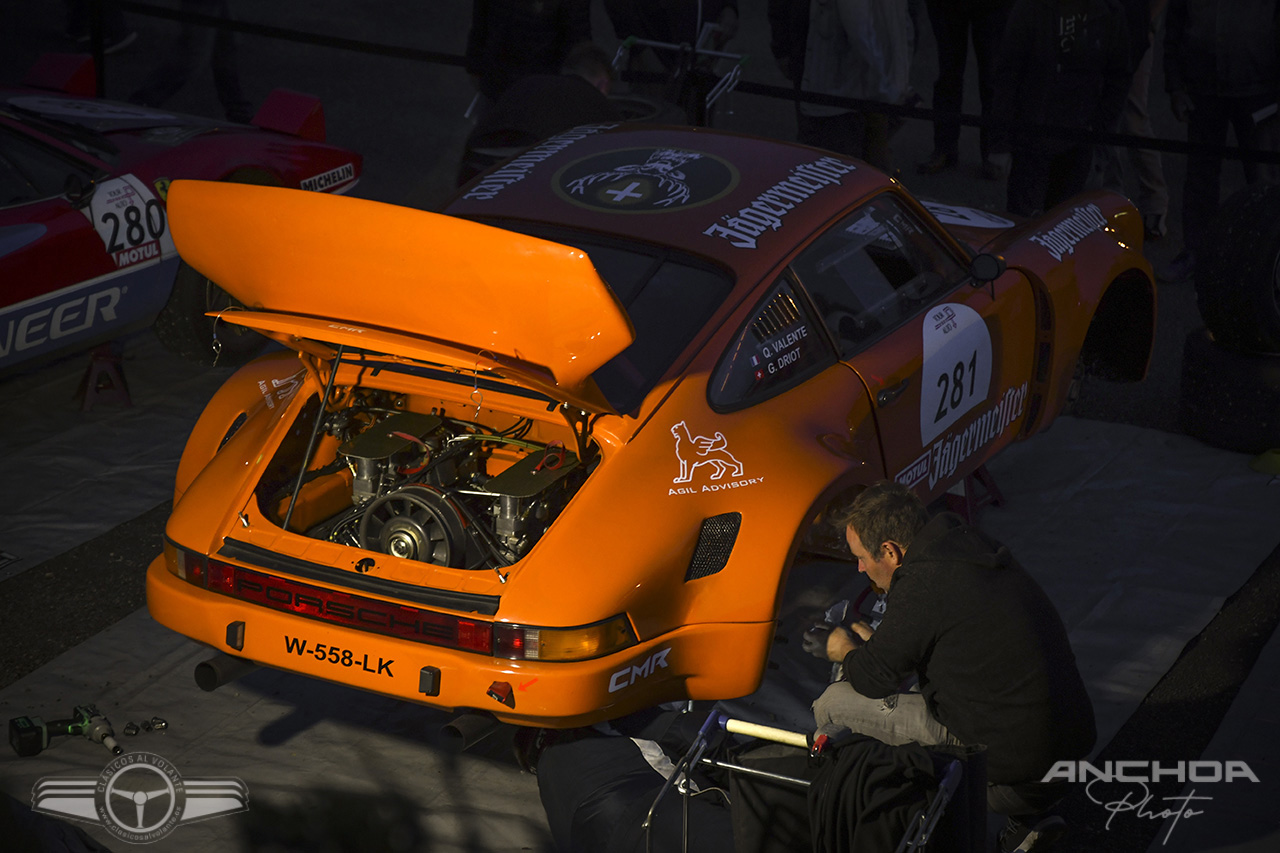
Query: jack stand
(976, 491)
(103, 380)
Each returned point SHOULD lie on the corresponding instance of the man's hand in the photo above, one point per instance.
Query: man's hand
(728, 22)
(839, 643)
(862, 629)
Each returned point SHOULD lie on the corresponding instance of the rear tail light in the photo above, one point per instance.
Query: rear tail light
(497, 639)
(520, 642)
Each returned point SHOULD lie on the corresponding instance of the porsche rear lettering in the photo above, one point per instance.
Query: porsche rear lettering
(61, 321)
(331, 178)
(629, 675)
(1062, 238)
(765, 212)
(310, 605)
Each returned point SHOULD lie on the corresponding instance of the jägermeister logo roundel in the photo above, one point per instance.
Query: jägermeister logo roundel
(645, 180)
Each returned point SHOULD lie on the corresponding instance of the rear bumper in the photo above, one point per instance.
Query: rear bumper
(708, 661)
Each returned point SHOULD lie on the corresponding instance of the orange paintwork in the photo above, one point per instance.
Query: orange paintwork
(547, 694)
(371, 264)
(625, 538)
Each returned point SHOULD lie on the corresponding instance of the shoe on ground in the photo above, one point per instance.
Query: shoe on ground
(1180, 269)
(1020, 837)
(1155, 225)
(938, 161)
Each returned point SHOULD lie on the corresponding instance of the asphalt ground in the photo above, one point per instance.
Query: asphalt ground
(406, 117)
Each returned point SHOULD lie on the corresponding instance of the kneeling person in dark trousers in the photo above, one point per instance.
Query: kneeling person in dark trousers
(990, 652)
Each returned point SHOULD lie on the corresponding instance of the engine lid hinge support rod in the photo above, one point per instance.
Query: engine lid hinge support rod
(315, 434)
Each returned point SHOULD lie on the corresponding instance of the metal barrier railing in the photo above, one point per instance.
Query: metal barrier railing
(1074, 134)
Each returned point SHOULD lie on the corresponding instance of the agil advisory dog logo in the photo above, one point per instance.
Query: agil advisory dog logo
(139, 797)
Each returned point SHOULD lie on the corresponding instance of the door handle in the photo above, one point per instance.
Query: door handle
(888, 395)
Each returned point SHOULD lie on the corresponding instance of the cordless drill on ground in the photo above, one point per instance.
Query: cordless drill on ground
(30, 735)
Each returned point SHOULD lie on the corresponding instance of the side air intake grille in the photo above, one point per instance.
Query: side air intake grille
(715, 543)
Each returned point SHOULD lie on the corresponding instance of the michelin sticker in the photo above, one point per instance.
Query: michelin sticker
(957, 367)
(330, 179)
(131, 222)
(712, 451)
(971, 217)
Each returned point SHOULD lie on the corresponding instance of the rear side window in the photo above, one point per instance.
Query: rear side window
(29, 171)
(873, 270)
(778, 349)
(669, 297)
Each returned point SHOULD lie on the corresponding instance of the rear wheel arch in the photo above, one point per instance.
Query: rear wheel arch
(264, 383)
(182, 325)
(1117, 345)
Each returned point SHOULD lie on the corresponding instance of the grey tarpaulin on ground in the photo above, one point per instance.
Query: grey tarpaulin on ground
(1118, 523)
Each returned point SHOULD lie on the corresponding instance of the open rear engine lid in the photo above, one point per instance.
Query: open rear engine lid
(325, 269)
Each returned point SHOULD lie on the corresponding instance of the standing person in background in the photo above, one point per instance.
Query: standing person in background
(954, 22)
(511, 39)
(116, 35)
(1221, 71)
(1152, 197)
(197, 45)
(857, 49)
(681, 78)
(673, 21)
(542, 105)
(1064, 63)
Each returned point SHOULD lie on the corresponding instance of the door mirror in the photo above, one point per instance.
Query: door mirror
(986, 267)
(77, 191)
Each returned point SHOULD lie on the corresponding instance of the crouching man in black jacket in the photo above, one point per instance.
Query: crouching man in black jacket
(990, 652)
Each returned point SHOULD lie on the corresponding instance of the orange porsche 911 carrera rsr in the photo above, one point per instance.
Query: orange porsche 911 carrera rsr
(550, 455)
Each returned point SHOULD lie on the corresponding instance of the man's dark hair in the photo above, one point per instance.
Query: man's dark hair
(882, 512)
